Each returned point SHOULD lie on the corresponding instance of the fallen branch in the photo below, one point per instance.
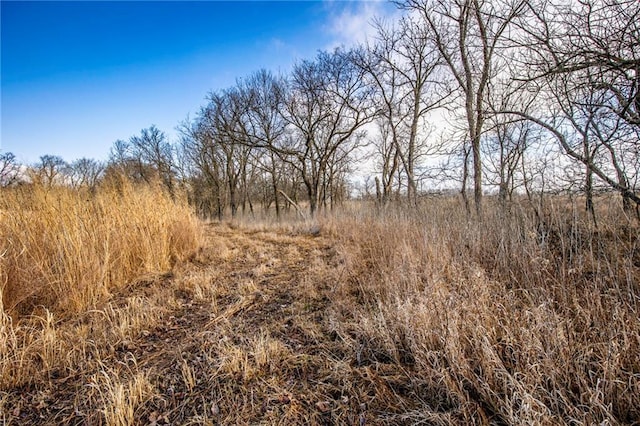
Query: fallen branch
(298, 209)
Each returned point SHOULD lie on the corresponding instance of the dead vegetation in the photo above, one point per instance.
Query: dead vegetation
(66, 250)
(361, 318)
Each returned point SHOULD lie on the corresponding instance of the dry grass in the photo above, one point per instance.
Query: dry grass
(361, 318)
(505, 320)
(65, 251)
(64, 254)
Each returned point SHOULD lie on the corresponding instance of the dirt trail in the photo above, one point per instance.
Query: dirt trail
(252, 343)
(252, 339)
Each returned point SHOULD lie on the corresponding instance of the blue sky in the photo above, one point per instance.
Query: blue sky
(76, 76)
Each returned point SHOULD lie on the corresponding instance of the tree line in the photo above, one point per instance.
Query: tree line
(513, 95)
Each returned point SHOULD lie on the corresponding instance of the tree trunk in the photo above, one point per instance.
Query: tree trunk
(276, 195)
(465, 177)
(477, 175)
(378, 192)
(232, 200)
(588, 191)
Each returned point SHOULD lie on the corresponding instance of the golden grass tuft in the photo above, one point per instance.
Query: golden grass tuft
(66, 250)
(120, 399)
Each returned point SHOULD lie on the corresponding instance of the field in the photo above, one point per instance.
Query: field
(122, 308)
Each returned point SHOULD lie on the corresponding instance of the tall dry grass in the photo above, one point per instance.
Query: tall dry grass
(63, 254)
(508, 320)
(424, 316)
(66, 250)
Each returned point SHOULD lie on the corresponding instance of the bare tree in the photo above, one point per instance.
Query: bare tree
(152, 150)
(584, 60)
(388, 162)
(208, 183)
(601, 36)
(9, 169)
(264, 95)
(223, 121)
(123, 164)
(577, 150)
(403, 67)
(49, 171)
(504, 147)
(85, 172)
(326, 106)
(468, 34)
(119, 153)
(506, 140)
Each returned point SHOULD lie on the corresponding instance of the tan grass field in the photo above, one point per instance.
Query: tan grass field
(122, 308)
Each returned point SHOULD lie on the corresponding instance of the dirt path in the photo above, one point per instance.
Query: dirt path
(259, 349)
(256, 335)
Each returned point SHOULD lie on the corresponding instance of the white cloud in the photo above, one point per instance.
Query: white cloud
(350, 22)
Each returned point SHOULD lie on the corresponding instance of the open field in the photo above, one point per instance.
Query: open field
(357, 318)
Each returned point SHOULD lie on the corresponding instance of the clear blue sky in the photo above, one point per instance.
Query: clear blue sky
(76, 76)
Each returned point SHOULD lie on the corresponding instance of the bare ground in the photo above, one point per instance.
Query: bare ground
(258, 333)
